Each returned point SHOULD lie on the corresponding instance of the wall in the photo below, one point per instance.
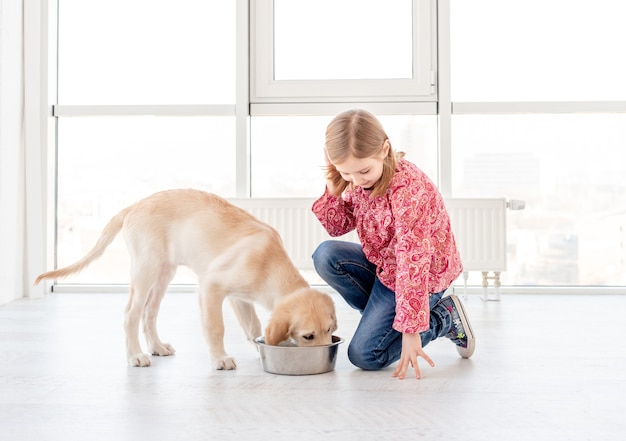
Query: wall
(11, 152)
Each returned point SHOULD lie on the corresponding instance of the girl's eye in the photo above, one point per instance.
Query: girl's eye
(365, 172)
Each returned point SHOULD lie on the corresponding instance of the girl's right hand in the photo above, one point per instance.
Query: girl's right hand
(329, 167)
(411, 350)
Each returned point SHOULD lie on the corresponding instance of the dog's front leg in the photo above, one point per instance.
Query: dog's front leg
(211, 301)
(247, 317)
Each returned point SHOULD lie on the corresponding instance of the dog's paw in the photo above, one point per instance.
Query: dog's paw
(139, 360)
(163, 350)
(225, 364)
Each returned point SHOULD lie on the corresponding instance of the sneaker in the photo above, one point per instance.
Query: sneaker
(461, 332)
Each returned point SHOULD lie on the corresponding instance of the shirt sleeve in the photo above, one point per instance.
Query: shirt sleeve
(334, 213)
(414, 252)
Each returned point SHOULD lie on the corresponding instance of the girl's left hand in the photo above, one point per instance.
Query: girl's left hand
(411, 349)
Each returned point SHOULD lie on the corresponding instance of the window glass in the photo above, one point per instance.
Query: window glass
(537, 50)
(570, 171)
(347, 39)
(146, 52)
(342, 51)
(287, 152)
(107, 163)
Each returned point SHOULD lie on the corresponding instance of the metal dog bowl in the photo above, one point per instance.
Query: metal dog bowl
(289, 359)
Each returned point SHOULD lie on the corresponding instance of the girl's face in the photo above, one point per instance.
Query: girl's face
(363, 172)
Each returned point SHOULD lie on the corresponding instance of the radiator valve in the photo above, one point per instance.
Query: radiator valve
(516, 204)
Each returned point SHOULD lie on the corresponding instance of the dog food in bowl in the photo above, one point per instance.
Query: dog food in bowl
(289, 359)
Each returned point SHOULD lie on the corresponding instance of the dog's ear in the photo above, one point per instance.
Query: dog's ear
(278, 327)
(331, 307)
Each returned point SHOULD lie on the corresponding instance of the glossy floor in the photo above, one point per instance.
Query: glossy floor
(546, 368)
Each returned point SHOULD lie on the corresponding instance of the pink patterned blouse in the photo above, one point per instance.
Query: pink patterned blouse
(406, 233)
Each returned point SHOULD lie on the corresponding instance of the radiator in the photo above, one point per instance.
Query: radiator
(299, 228)
(479, 226)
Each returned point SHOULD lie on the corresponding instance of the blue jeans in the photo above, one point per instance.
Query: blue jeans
(375, 344)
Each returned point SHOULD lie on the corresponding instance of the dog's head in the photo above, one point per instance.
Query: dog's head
(307, 317)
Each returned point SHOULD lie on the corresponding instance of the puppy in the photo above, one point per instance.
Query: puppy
(233, 254)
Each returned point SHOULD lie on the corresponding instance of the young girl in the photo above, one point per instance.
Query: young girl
(407, 257)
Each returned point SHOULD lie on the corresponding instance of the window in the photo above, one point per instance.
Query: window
(536, 50)
(287, 153)
(120, 52)
(142, 107)
(343, 51)
(531, 106)
(569, 170)
(534, 88)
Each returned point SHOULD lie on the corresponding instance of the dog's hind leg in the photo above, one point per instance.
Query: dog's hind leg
(211, 304)
(151, 312)
(143, 279)
(134, 310)
(247, 317)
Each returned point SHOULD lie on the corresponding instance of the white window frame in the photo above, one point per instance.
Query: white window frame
(421, 88)
(39, 123)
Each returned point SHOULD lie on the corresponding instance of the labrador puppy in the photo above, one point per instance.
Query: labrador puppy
(234, 256)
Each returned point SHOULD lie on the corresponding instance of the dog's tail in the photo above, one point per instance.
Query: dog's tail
(110, 231)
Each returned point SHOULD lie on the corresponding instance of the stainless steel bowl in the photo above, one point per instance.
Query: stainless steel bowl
(288, 359)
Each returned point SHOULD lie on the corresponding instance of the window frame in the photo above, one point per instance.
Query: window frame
(40, 124)
(265, 89)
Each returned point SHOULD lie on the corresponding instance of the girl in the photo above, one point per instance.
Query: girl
(407, 257)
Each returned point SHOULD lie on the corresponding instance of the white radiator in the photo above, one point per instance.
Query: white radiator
(479, 226)
(292, 217)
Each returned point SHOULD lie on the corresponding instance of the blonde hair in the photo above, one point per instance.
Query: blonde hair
(360, 134)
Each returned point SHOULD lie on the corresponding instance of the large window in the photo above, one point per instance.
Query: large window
(522, 101)
(570, 171)
(533, 88)
(148, 100)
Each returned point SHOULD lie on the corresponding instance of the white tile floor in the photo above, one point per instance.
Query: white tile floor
(546, 368)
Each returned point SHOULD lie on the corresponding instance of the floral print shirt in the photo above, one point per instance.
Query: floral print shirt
(406, 233)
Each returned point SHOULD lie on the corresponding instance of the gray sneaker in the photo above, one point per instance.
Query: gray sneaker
(461, 332)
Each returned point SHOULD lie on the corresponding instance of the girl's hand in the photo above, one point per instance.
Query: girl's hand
(329, 167)
(411, 349)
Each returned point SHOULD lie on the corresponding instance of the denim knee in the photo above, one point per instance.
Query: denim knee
(364, 358)
(365, 354)
(323, 259)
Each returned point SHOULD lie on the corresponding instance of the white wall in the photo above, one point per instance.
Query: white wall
(23, 147)
(11, 152)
